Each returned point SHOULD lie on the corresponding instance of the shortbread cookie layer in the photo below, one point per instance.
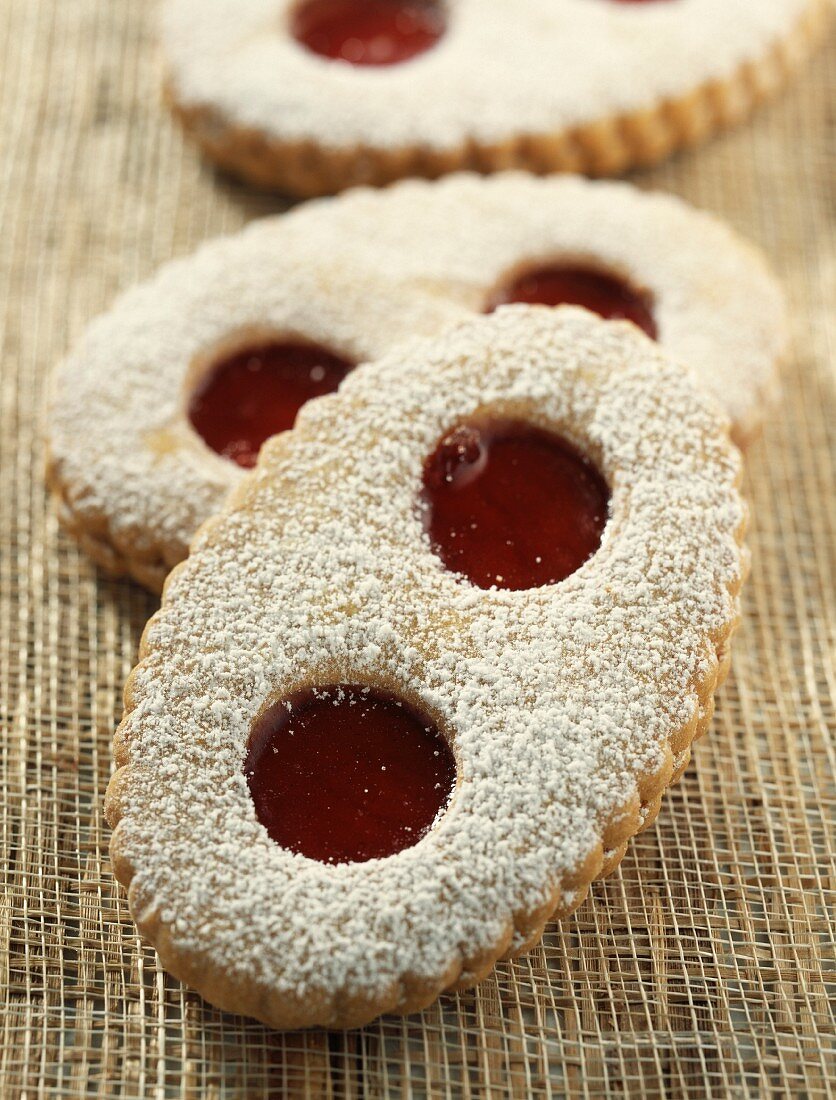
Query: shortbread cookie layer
(569, 707)
(359, 274)
(591, 86)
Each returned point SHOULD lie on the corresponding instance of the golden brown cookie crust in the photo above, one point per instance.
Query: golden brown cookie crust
(609, 146)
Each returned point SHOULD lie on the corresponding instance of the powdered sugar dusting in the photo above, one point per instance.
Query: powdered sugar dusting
(717, 306)
(531, 67)
(360, 274)
(555, 700)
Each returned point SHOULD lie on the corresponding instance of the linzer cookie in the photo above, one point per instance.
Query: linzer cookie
(404, 702)
(174, 390)
(312, 96)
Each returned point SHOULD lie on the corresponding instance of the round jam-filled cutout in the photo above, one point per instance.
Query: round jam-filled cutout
(257, 392)
(512, 506)
(347, 773)
(368, 32)
(601, 293)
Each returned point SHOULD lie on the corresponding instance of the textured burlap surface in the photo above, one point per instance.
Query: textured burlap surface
(701, 968)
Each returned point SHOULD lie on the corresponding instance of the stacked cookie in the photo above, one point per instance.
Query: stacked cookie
(439, 483)
(135, 457)
(433, 662)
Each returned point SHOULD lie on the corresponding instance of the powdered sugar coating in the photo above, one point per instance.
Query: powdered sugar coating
(123, 450)
(531, 67)
(360, 273)
(717, 306)
(562, 703)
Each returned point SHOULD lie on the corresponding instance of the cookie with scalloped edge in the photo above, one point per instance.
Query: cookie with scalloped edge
(568, 708)
(297, 94)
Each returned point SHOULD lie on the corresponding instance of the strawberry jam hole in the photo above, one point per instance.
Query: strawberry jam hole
(510, 505)
(347, 773)
(368, 32)
(601, 292)
(257, 391)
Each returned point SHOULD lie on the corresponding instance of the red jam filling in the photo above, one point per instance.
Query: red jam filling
(257, 392)
(557, 285)
(347, 773)
(368, 32)
(512, 506)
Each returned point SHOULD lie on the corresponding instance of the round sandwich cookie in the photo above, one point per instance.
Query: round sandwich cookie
(313, 96)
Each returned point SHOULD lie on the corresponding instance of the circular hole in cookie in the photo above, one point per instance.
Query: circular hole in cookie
(368, 32)
(346, 773)
(510, 505)
(256, 392)
(601, 292)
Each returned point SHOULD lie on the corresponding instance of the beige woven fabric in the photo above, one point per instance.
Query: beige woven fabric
(700, 969)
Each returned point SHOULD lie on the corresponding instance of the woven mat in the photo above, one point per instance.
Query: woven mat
(700, 969)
